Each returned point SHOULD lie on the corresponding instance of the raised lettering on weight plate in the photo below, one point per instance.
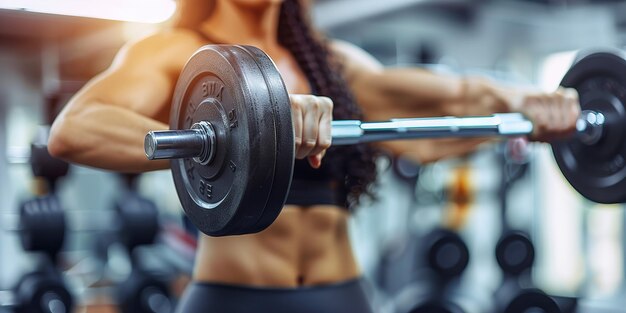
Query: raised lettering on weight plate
(232, 119)
(191, 108)
(213, 90)
(205, 189)
(232, 166)
(190, 171)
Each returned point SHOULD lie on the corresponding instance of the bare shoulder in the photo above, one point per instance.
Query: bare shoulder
(168, 48)
(354, 59)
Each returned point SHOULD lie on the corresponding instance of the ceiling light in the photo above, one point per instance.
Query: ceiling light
(143, 11)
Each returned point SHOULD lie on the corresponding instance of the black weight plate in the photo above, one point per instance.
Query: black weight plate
(44, 165)
(446, 253)
(225, 86)
(142, 292)
(531, 300)
(437, 306)
(42, 225)
(41, 162)
(515, 253)
(41, 292)
(138, 220)
(285, 143)
(598, 171)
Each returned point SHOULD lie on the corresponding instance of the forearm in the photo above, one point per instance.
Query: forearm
(426, 151)
(106, 137)
(417, 92)
(481, 97)
(398, 93)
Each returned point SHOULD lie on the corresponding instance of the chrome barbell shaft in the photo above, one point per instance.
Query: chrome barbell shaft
(353, 132)
(199, 142)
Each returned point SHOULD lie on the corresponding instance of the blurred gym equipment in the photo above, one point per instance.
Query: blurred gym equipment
(42, 230)
(142, 291)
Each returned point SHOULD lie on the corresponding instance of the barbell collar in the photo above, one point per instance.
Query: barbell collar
(590, 127)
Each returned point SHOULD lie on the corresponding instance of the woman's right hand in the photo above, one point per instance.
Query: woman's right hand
(312, 117)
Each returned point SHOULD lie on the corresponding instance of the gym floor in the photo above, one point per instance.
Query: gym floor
(477, 202)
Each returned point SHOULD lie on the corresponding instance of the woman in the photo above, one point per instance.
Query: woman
(303, 262)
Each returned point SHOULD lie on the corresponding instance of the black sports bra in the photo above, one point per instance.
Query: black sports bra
(313, 186)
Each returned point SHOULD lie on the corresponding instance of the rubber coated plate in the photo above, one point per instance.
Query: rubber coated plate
(531, 300)
(446, 253)
(239, 91)
(42, 291)
(515, 253)
(437, 306)
(42, 223)
(598, 171)
(285, 147)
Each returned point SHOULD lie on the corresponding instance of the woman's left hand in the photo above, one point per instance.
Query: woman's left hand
(554, 115)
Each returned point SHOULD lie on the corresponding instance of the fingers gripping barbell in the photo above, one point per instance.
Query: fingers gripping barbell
(232, 144)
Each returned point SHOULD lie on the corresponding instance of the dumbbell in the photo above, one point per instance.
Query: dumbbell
(42, 291)
(136, 223)
(141, 292)
(138, 220)
(42, 226)
(512, 298)
(231, 113)
(406, 169)
(39, 291)
(444, 254)
(426, 268)
(138, 217)
(440, 255)
(42, 163)
(438, 306)
(515, 254)
(42, 229)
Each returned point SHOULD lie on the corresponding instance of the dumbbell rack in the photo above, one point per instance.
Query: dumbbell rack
(42, 232)
(515, 252)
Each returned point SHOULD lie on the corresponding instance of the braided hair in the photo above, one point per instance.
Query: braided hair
(353, 166)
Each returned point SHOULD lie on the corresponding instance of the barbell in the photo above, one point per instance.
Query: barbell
(231, 142)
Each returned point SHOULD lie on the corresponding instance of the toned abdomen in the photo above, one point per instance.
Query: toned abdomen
(304, 246)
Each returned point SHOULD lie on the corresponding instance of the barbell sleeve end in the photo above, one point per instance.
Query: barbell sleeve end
(149, 145)
(590, 127)
(197, 143)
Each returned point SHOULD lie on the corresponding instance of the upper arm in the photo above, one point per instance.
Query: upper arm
(141, 77)
(384, 93)
(404, 92)
(362, 73)
(357, 63)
